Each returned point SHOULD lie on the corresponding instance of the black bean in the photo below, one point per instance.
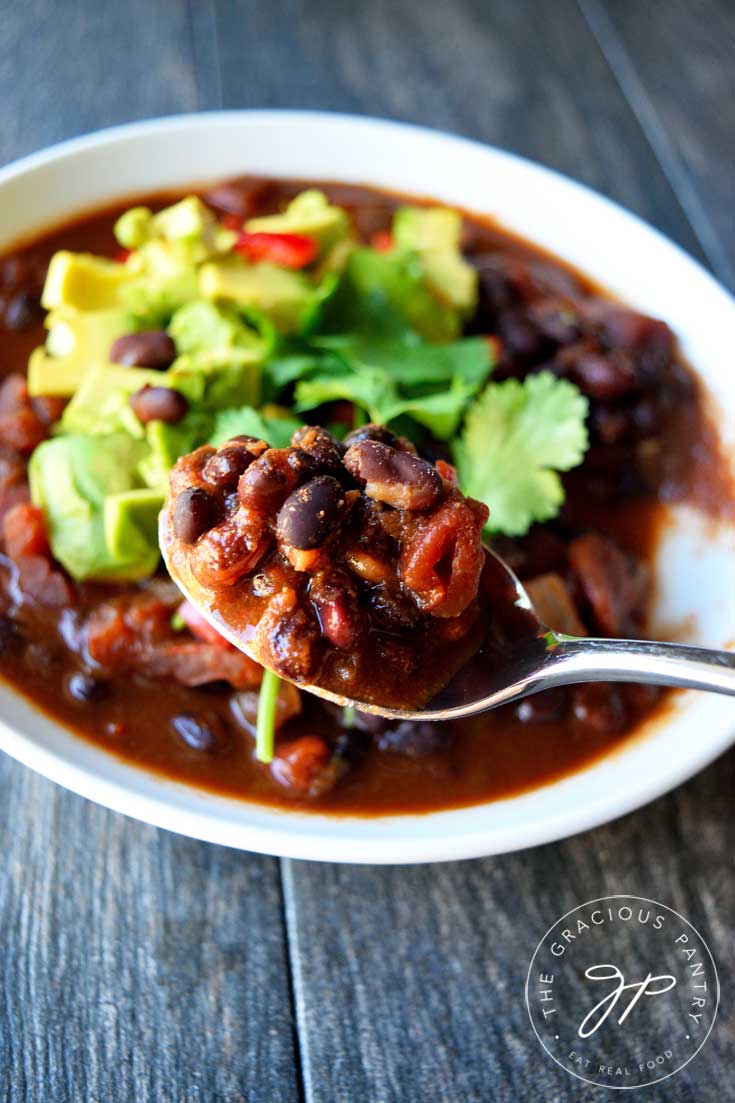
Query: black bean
(225, 467)
(373, 432)
(158, 404)
(325, 449)
(548, 707)
(199, 734)
(195, 512)
(597, 709)
(522, 340)
(334, 595)
(151, 349)
(245, 196)
(309, 514)
(85, 688)
(268, 482)
(415, 738)
(392, 608)
(399, 479)
(605, 377)
(254, 444)
(23, 311)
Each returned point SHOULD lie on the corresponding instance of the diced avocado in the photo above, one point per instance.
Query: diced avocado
(168, 442)
(185, 220)
(311, 214)
(71, 477)
(83, 281)
(201, 324)
(130, 520)
(133, 227)
(422, 228)
(188, 222)
(281, 293)
(101, 404)
(434, 233)
(163, 278)
(213, 378)
(77, 340)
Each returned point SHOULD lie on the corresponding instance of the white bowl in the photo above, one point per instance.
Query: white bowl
(695, 562)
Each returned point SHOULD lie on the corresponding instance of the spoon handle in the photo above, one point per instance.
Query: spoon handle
(666, 664)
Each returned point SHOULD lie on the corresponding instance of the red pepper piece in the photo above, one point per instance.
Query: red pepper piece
(286, 250)
(382, 241)
(232, 222)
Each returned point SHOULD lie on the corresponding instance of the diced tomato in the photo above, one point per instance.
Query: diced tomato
(199, 626)
(448, 472)
(122, 255)
(24, 530)
(297, 765)
(38, 580)
(382, 241)
(232, 222)
(286, 250)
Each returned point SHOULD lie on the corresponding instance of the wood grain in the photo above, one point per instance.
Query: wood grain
(526, 76)
(674, 62)
(410, 980)
(68, 69)
(136, 965)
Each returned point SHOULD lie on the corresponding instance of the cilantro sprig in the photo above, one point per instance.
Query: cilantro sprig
(517, 437)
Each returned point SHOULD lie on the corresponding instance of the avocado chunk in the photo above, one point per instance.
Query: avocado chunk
(189, 223)
(282, 294)
(167, 442)
(71, 478)
(77, 339)
(83, 281)
(202, 324)
(434, 233)
(130, 522)
(311, 214)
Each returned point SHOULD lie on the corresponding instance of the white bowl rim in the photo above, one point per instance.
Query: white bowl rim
(100, 776)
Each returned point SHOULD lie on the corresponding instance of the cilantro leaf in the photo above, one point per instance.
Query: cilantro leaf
(367, 389)
(389, 378)
(245, 420)
(385, 293)
(440, 412)
(516, 438)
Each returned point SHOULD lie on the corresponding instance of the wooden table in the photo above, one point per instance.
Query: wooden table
(140, 967)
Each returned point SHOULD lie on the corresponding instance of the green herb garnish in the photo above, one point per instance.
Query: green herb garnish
(516, 438)
(265, 729)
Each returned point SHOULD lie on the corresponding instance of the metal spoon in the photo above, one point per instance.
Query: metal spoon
(519, 654)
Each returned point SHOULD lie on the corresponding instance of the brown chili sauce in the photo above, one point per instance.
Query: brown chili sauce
(589, 569)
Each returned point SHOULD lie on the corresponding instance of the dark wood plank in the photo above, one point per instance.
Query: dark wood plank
(136, 965)
(674, 62)
(65, 71)
(410, 980)
(510, 74)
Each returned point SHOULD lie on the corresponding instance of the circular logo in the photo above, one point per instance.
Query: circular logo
(622, 992)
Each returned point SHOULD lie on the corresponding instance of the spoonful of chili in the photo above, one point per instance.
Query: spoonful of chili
(357, 570)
